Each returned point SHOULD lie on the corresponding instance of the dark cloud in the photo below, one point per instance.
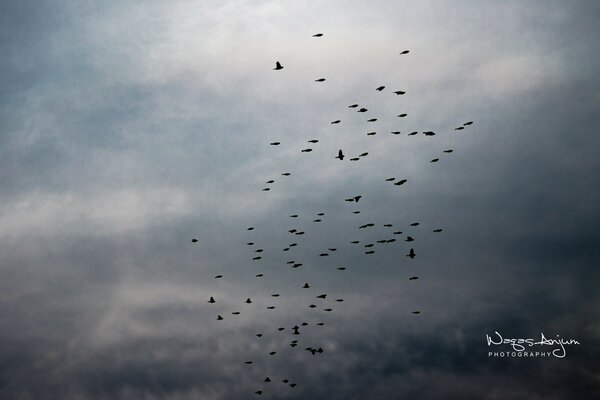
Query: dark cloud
(127, 130)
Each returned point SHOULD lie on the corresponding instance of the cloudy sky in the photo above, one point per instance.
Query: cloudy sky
(128, 128)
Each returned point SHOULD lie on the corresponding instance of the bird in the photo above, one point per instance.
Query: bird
(448, 151)
(322, 296)
(278, 66)
(340, 155)
(435, 160)
(332, 249)
(285, 380)
(372, 120)
(294, 216)
(337, 121)
(248, 301)
(339, 300)
(270, 181)
(460, 128)
(250, 243)
(306, 286)
(272, 353)
(398, 233)
(390, 179)
(280, 329)
(390, 240)
(218, 276)
(388, 225)
(267, 379)
(355, 212)
(259, 275)
(248, 362)
(236, 313)
(259, 335)
(355, 159)
(412, 133)
(370, 252)
(362, 110)
(400, 182)
(404, 52)
(409, 239)
(357, 198)
(211, 300)
(380, 88)
(429, 133)
(306, 150)
(312, 306)
(437, 230)
(415, 224)
(353, 106)
(320, 214)
(364, 155)
(295, 328)
(256, 258)
(416, 312)
(371, 133)
(286, 174)
(402, 115)
(317, 220)
(341, 268)
(411, 254)
(292, 385)
(317, 35)
(313, 141)
(219, 318)
(323, 255)
(293, 231)
(266, 189)
(293, 244)
(258, 392)
(275, 295)
(275, 143)
(468, 123)
(194, 240)
(320, 80)
(395, 132)
(369, 245)
(399, 92)
(412, 278)
(258, 250)
(251, 228)
(355, 242)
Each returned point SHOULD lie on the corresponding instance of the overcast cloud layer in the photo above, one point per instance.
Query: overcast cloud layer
(128, 128)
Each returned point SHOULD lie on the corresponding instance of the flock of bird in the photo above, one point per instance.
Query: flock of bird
(391, 236)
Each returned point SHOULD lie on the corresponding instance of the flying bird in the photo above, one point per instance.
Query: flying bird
(412, 278)
(402, 115)
(306, 286)
(371, 133)
(415, 224)
(320, 80)
(364, 155)
(218, 276)
(362, 110)
(411, 254)
(317, 35)
(306, 150)
(194, 240)
(313, 141)
(412, 133)
(337, 121)
(248, 301)
(286, 174)
(278, 66)
(435, 160)
(211, 300)
(340, 155)
(468, 123)
(400, 182)
(355, 159)
(404, 52)
(448, 151)
(372, 120)
(399, 92)
(437, 230)
(219, 318)
(275, 143)
(395, 132)
(380, 88)
(353, 106)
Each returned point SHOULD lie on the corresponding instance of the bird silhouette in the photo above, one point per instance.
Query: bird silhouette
(219, 318)
(412, 278)
(211, 300)
(278, 66)
(411, 254)
(218, 276)
(468, 123)
(395, 132)
(275, 143)
(380, 88)
(404, 52)
(371, 133)
(362, 110)
(415, 224)
(317, 35)
(353, 106)
(306, 286)
(337, 121)
(412, 133)
(322, 296)
(435, 160)
(340, 155)
(372, 120)
(355, 159)
(399, 92)
(437, 230)
(194, 240)
(313, 141)
(429, 133)
(363, 154)
(400, 182)
(320, 80)
(448, 151)
(248, 301)
(270, 181)
(306, 150)
(286, 174)
(390, 179)
(402, 115)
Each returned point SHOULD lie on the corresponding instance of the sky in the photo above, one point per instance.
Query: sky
(129, 128)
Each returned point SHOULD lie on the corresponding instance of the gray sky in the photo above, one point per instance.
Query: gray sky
(129, 128)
